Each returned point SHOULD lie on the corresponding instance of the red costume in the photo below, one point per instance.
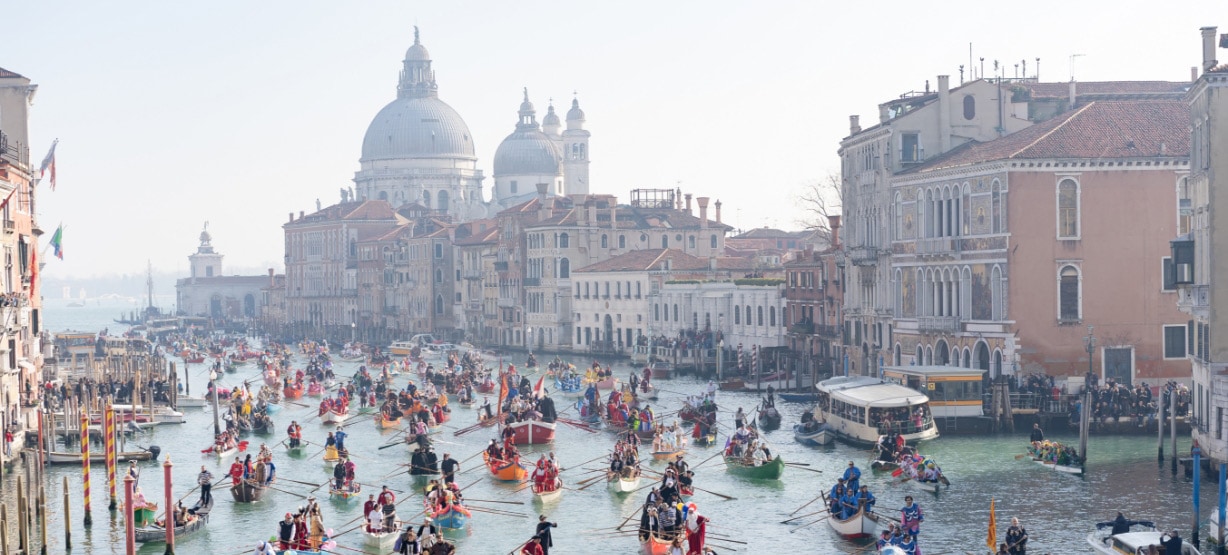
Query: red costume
(695, 538)
(532, 548)
(368, 507)
(386, 498)
(236, 472)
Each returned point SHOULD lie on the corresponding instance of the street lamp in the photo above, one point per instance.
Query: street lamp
(213, 390)
(353, 331)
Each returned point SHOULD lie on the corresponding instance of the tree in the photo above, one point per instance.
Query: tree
(819, 199)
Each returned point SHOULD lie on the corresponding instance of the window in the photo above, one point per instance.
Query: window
(910, 147)
(1068, 209)
(1167, 275)
(1068, 294)
(675, 313)
(737, 317)
(691, 241)
(438, 304)
(656, 312)
(996, 206)
(1174, 342)
(712, 243)
(426, 199)
(748, 320)
(564, 241)
(513, 187)
(622, 241)
(564, 268)
(969, 107)
(772, 316)
(438, 275)
(664, 241)
(760, 312)
(442, 200)
(438, 250)
(605, 242)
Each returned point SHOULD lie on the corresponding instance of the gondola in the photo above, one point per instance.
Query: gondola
(621, 484)
(860, 525)
(817, 435)
(247, 492)
(198, 516)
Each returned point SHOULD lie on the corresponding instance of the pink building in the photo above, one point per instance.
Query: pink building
(1004, 252)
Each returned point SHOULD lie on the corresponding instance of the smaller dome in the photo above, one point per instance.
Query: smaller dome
(551, 117)
(417, 52)
(527, 152)
(575, 113)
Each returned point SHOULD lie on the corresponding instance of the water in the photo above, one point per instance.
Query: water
(1057, 509)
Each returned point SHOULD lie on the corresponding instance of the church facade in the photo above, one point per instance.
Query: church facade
(207, 292)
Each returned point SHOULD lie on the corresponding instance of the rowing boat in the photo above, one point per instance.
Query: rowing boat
(334, 417)
(247, 492)
(346, 494)
(379, 542)
(819, 436)
(144, 515)
(860, 525)
(771, 470)
(547, 496)
(384, 424)
(507, 471)
(668, 455)
(658, 546)
(197, 516)
(452, 518)
(624, 485)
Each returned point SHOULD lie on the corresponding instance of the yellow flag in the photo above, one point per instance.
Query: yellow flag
(992, 539)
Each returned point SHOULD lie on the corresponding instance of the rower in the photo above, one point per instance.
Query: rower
(339, 477)
(866, 499)
(340, 435)
(1038, 435)
(852, 476)
(387, 502)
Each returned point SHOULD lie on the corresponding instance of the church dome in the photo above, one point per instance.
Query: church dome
(417, 127)
(417, 52)
(575, 113)
(527, 152)
(551, 119)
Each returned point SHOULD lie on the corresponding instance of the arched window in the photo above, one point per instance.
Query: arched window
(605, 242)
(995, 286)
(564, 268)
(383, 195)
(665, 241)
(564, 241)
(1069, 305)
(675, 312)
(1068, 209)
(898, 214)
(438, 275)
(969, 107)
(995, 208)
(622, 241)
(426, 199)
(712, 243)
(438, 304)
(442, 200)
(771, 316)
(759, 310)
(748, 319)
(737, 317)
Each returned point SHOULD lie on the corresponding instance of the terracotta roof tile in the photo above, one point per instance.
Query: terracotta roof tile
(1099, 130)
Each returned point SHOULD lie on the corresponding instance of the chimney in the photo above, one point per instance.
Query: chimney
(883, 115)
(292, 217)
(688, 202)
(1193, 73)
(614, 216)
(543, 210)
(1208, 49)
(854, 125)
(833, 222)
(703, 212)
(944, 112)
(591, 207)
(718, 211)
(301, 214)
(272, 280)
(1073, 94)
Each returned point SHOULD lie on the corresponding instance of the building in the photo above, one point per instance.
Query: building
(1198, 249)
(208, 292)
(814, 297)
(1004, 252)
(418, 149)
(23, 339)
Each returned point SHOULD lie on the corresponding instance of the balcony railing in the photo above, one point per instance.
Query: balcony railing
(827, 331)
(1194, 296)
(501, 266)
(863, 256)
(532, 282)
(945, 324)
(806, 328)
(938, 246)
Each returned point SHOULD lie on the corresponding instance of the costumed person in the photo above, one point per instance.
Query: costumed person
(236, 472)
(1017, 538)
(534, 547)
(543, 532)
(285, 532)
(852, 475)
(264, 548)
(387, 503)
(911, 516)
(205, 479)
(696, 528)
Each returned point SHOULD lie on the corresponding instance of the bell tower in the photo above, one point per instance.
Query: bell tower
(205, 261)
(575, 152)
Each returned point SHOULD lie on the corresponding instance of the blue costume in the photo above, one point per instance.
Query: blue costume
(909, 545)
(912, 518)
(852, 477)
(340, 437)
(868, 499)
(849, 504)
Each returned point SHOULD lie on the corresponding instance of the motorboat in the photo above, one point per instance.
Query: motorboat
(846, 402)
(1132, 542)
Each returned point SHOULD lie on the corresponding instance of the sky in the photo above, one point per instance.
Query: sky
(170, 114)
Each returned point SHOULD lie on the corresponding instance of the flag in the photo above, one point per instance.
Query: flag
(8, 198)
(49, 163)
(57, 242)
(537, 389)
(992, 539)
(502, 390)
(34, 273)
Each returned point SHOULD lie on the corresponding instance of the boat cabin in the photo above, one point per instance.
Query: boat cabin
(861, 408)
(953, 392)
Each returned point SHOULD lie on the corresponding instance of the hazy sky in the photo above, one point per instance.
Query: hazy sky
(173, 113)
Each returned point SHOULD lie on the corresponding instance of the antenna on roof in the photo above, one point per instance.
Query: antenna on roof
(1072, 62)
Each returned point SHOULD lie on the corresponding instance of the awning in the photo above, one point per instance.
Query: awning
(23, 363)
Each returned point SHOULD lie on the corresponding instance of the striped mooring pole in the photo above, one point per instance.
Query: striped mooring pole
(85, 464)
(108, 445)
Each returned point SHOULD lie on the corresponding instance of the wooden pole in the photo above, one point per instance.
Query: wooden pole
(67, 518)
(85, 465)
(42, 513)
(1162, 411)
(4, 530)
(170, 507)
(129, 526)
(22, 540)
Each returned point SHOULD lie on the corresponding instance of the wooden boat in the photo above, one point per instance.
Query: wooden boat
(732, 384)
(927, 487)
(1106, 543)
(247, 492)
(226, 454)
(334, 417)
(194, 360)
(484, 387)
(1060, 467)
(606, 384)
(346, 494)
(661, 369)
(685, 492)
(452, 518)
(383, 424)
(860, 525)
(315, 389)
(881, 465)
(771, 470)
(293, 391)
(187, 401)
(668, 455)
(298, 451)
(547, 496)
(704, 440)
(508, 471)
(818, 436)
(144, 515)
(96, 455)
(155, 533)
(622, 484)
(533, 432)
(379, 542)
(658, 546)
(769, 419)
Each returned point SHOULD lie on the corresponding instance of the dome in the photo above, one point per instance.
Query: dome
(527, 152)
(551, 117)
(424, 127)
(417, 52)
(575, 113)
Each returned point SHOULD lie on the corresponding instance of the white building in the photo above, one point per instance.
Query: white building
(535, 154)
(208, 292)
(749, 314)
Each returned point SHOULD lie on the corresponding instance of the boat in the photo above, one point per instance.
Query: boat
(247, 492)
(346, 494)
(315, 389)
(297, 451)
(881, 465)
(226, 453)
(798, 397)
(485, 387)
(704, 440)
(379, 542)
(384, 424)
(771, 470)
(668, 455)
(862, 395)
(732, 384)
(144, 515)
(508, 471)
(1063, 461)
(769, 419)
(822, 435)
(293, 391)
(661, 369)
(927, 487)
(98, 456)
(155, 533)
(685, 492)
(452, 517)
(547, 496)
(657, 546)
(623, 484)
(402, 348)
(1104, 541)
(334, 417)
(533, 432)
(860, 525)
(187, 401)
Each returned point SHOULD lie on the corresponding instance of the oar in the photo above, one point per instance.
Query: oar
(801, 517)
(289, 492)
(628, 519)
(720, 539)
(726, 497)
(299, 482)
(718, 453)
(790, 465)
(806, 505)
(490, 501)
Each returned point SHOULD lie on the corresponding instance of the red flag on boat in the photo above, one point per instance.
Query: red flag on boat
(537, 389)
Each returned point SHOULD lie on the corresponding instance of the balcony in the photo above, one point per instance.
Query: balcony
(472, 274)
(1193, 298)
(501, 266)
(532, 282)
(938, 246)
(938, 324)
(505, 302)
(863, 256)
(801, 328)
(10, 226)
(828, 331)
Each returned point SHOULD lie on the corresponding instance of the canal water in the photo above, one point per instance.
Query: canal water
(1057, 509)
